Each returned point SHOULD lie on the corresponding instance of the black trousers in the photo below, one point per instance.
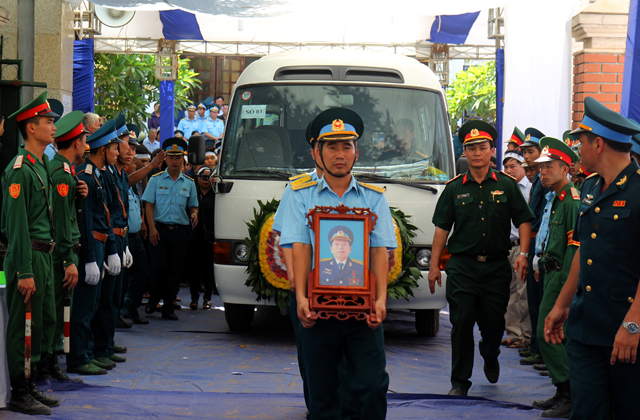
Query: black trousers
(167, 259)
(200, 269)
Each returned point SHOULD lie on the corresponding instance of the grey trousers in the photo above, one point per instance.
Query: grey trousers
(518, 324)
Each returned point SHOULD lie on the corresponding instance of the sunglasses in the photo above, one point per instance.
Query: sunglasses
(205, 177)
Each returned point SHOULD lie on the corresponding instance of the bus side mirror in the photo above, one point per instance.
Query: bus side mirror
(196, 150)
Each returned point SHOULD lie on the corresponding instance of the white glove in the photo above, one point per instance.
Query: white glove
(128, 258)
(536, 259)
(92, 273)
(113, 265)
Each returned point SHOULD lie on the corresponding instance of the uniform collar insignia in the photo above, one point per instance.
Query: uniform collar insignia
(31, 159)
(622, 181)
(562, 195)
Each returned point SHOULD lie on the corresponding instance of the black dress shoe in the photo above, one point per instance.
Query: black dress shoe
(134, 317)
(540, 366)
(458, 390)
(149, 308)
(492, 370)
(169, 315)
(123, 323)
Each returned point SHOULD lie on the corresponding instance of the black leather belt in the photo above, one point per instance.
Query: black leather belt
(552, 265)
(76, 248)
(515, 243)
(133, 235)
(170, 227)
(486, 258)
(43, 246)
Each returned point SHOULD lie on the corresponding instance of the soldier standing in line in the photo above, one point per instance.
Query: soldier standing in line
(71, 139)
(600, 301)
(325, 342)
(481, 203)
(95, 230)
(27, 223)
(558, 248)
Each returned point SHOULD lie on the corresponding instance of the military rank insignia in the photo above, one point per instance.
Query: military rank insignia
(31, 159)
(14, 190)
(63, 189)
(620, 203)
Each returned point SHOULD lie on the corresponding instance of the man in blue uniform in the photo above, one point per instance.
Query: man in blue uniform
(95, 230)
(201, 111)
(212, 127)
(324, 342)
(531, 151)
(600, 301)
(171, 203)
(341, 270)
(190, 124)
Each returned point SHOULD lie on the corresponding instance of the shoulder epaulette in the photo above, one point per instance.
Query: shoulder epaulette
(293, 178)
(157, 174)
(18, 162)
(453, 179)
(297, 185)
(373, 187)
(506, 174)
(575, 194)
(66, 167)
(183, 119)
(592, 175)
(188, 177)
(89, 169)
(302, 179)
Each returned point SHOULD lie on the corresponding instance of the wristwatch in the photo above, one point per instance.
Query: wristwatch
(632, 327)
(526, 254)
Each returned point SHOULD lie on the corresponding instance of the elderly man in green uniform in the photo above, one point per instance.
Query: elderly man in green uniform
(27, 223)
(71, 139)
(600, 301)
(481, 203)
(558, 247)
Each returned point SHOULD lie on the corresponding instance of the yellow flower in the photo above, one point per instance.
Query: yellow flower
(395, 271)
(274, 279)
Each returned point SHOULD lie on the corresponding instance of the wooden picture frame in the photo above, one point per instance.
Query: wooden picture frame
(341, 285)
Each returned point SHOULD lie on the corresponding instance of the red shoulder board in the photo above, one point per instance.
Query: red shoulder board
(66, 167)
(18, 162)
(575, 194)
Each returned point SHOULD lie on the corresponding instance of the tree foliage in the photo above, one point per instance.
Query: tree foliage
(474, 92)
(127, 83)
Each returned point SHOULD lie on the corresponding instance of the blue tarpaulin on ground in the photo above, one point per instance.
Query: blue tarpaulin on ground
(630, 106)
(83, 65)
(180, 25)
(452, 29)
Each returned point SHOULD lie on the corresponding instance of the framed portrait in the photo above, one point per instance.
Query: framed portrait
(341, 284)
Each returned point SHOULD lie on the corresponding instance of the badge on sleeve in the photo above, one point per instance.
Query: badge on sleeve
(14, 190)
(63, 189)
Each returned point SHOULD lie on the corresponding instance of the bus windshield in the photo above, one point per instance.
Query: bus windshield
(405, 135)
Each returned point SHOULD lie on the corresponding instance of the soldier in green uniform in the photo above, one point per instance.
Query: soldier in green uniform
(600, 301)
(71, 139)
(28, 226)
(558, 247)
(481, 203)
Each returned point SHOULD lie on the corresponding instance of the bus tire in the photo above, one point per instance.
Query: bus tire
(239, 317)
(427, 322)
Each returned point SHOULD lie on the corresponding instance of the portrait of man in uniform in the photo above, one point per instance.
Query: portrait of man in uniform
(341, 269)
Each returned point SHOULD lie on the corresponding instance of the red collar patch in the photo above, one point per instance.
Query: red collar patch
(464, 180)
(562, 195)
(31, 159)
(493, 175)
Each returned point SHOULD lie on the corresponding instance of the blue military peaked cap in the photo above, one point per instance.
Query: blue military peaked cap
(635, 141)
(103, 136)
(341, 232)
(134, 132)
(175, 146)
(121, 125)
(601, 121)
(337, 124)
(532, 137)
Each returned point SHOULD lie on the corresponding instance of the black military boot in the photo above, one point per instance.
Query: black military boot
(56, 373)
(21, 400)
(49, 401)
(43, 372)
(562, 407)
(547, 404)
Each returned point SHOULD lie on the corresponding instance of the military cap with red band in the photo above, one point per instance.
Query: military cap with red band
(555, 149)
(473, 132)
(70, 126)
(39, 107)
(517, 137)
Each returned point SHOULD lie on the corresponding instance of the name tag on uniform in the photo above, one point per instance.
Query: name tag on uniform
(621, 203)
(463, 195)
(163, 188)
(184, 189)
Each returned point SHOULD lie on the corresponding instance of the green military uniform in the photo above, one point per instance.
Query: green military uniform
(27, 225)
(559, 249)
(478, 272)
(609, 235)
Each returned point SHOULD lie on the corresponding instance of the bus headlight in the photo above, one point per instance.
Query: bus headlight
(242, 253)
(423, 257)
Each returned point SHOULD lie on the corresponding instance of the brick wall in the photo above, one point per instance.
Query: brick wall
(599, 76)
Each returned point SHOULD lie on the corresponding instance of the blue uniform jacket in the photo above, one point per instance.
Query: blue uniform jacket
(352, 274)
(187, 126)
(608, 228)
(171, 198)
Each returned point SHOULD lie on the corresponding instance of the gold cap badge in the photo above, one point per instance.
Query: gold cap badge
(475, 132)
(174, 147)
(337, 125)
(528, 137)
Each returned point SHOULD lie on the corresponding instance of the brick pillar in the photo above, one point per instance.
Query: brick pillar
(599, 64)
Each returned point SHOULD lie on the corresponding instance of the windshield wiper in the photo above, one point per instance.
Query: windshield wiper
(278, 174)
(397, 181)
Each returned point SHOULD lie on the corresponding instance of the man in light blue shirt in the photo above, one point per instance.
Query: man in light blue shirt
(201, 112)
(325, 342)
(151, 142)
(212, 127)
(167, 197)
(191, 123)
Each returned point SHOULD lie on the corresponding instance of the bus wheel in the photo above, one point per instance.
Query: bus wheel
(427, 322)
(239, 317)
